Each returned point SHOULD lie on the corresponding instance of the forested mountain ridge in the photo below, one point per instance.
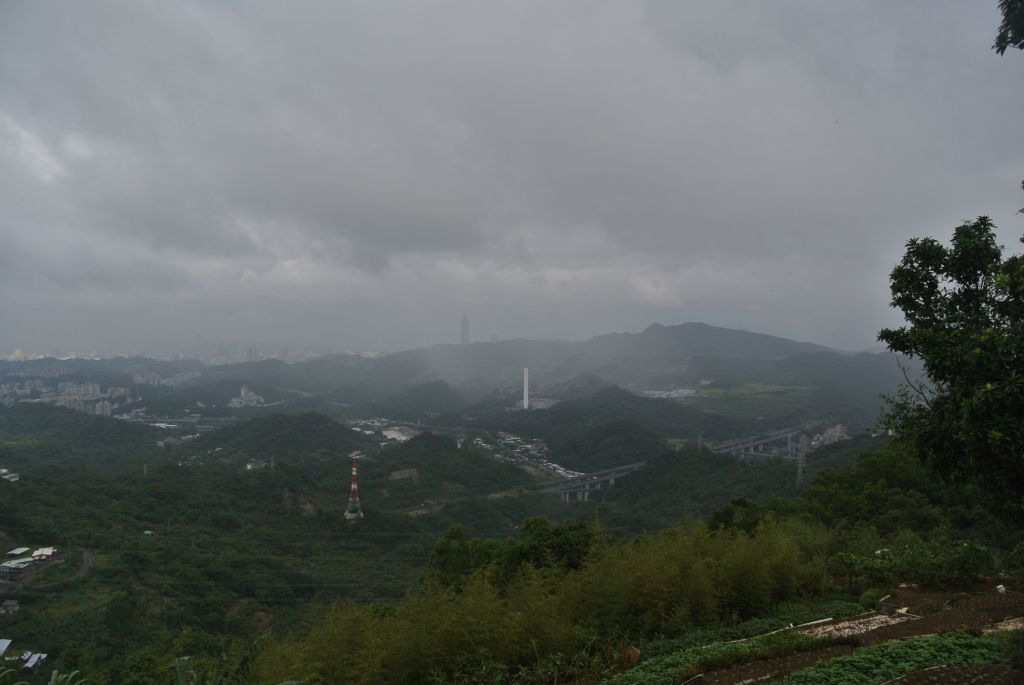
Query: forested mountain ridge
(617, 357)
(780, 382)
(44, 436)
(689, 340)
(482, 367)
(285, 436)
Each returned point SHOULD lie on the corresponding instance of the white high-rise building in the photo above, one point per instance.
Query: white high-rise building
(526, 387)
(246, 398)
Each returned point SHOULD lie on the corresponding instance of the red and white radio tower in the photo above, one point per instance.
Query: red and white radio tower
(354, 511)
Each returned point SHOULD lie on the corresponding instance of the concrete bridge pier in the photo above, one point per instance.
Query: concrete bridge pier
(578, 488)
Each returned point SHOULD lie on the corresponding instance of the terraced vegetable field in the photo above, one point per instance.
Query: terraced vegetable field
(887, 661)
(671, 668)
(870, 648)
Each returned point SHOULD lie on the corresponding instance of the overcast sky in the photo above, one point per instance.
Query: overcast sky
(354, 175)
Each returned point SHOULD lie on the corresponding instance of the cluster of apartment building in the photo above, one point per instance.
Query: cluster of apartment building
(84, 390)
(830, 435)
(146, 378)
(515, 449)
(152, 378)
(246, 398)
(20, 355)
(388, 429)
(369, 426)
(21, 389)
(88, 398)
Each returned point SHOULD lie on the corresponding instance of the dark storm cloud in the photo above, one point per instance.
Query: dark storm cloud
(356, 174)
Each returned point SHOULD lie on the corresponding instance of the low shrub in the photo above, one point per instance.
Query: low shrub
(869, 599)
(1014, 655)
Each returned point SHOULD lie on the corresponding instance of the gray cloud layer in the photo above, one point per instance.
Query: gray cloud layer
(355, 174)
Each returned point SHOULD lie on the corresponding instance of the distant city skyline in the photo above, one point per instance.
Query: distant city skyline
(238, 352)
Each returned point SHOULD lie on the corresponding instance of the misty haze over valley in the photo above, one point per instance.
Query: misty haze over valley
(511, 343)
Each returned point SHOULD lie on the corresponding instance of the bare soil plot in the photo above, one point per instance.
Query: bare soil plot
(857, 625)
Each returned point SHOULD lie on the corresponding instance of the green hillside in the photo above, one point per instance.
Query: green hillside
(795, 390)
(610, 428)
(286, 435)
(691, 483)
(432, 468)
(430, 397)
(232, 551)
(689, 340)
(40, 436)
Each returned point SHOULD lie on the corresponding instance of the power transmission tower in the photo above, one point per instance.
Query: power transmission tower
(354, 511)
(802, 448)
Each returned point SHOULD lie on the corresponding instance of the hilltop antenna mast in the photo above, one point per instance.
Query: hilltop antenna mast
(354, 510)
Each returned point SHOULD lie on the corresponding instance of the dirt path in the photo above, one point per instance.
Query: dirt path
(88, 561)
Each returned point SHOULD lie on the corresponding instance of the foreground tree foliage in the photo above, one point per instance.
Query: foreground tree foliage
(547, 616)
(964, 311)
(1011, 30)
(1011, 33)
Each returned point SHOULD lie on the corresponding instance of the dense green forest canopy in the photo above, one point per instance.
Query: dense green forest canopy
(610, 428)
(232, 551)
(37, 436)
(310, 440)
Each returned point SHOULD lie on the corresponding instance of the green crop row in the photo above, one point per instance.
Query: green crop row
(883, 662)
(786, 614)
(666, 669)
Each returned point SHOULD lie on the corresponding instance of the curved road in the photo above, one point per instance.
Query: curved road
(88, 561)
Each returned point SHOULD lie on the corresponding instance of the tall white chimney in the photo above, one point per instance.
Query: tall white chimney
(526, 387)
